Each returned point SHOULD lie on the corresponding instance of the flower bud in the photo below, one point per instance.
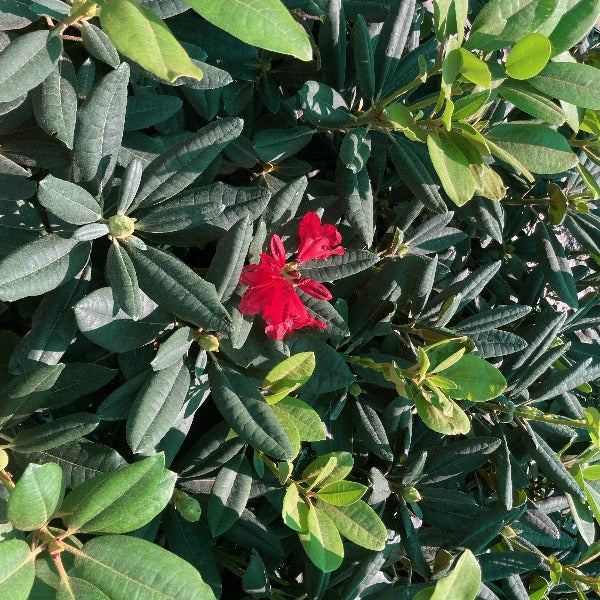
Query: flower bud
(121, 226)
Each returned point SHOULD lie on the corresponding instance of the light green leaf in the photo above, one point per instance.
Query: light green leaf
(36, 497)
(294, 510)
(41, 266)
(143, 36)
(125, 567)
(572, 82)
(321, 471)
(342, 493)
(68, 201)
(445, 416)
(305, 418)
(359, 523)
(156, 407)
(473, 68)
(27, 61)
(462, 582)
(55, 433)
(17, 571)
(176, 288)
(248, 414)
(538, 147)
(321, 541)
(229, 494)
(119, 501)
(273, 28)
(476, 380)
(452, 167)
(288, 376)
(291, 432)
(528, 56)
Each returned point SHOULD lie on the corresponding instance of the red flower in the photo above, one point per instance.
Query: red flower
(316, 240)
(271, 283)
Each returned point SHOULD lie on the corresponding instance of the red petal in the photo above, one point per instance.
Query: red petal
(315, 289)
(278, 251)
(316, 241)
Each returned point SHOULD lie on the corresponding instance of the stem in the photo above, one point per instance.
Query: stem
(6, 480)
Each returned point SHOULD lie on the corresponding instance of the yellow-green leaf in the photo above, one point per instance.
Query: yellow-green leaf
(528, 56)
(143, 36)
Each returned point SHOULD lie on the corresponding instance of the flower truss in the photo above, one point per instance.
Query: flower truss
(272, 283)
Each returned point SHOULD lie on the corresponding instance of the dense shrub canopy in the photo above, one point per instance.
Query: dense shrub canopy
(298, 299)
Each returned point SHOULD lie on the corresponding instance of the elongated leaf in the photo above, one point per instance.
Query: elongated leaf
(576, 83)
(553, 467)
(125, 567)
(371, 430)
(226, 266)
(143, 36)
(357, 522)
(392, 41)
(272, 28)
(55, 104)
(98, 44)
(229, 494)
(357, 197)
(27, 61)
(79, 460)
(339, 266)
(99, 129)
(332, 44)
(342, 493)
(452, 167)
(68, 201)
(539, 148)
(248, 414)
(321, 541)
(156, 407)
(53, 327)
(173, 349)
(172, 284)
(179, 166)
(56, 433)
(36, 497)
(29, 392)
(100, 319)
(41, 266)
(574, 25)
(17, 571)
(525, 97)
(563, 381)
(121, 275)
(416, 175)
(274, 145)
(119, 501)
(555, 265)
(363, 58)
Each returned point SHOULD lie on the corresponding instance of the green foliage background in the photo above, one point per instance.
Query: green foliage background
(440, 439)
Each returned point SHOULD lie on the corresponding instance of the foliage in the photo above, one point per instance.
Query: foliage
(407, 197)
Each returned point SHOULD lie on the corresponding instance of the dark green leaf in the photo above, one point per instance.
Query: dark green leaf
(68, 201)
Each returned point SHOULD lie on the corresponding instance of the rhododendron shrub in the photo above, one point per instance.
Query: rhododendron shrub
(298, 299)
